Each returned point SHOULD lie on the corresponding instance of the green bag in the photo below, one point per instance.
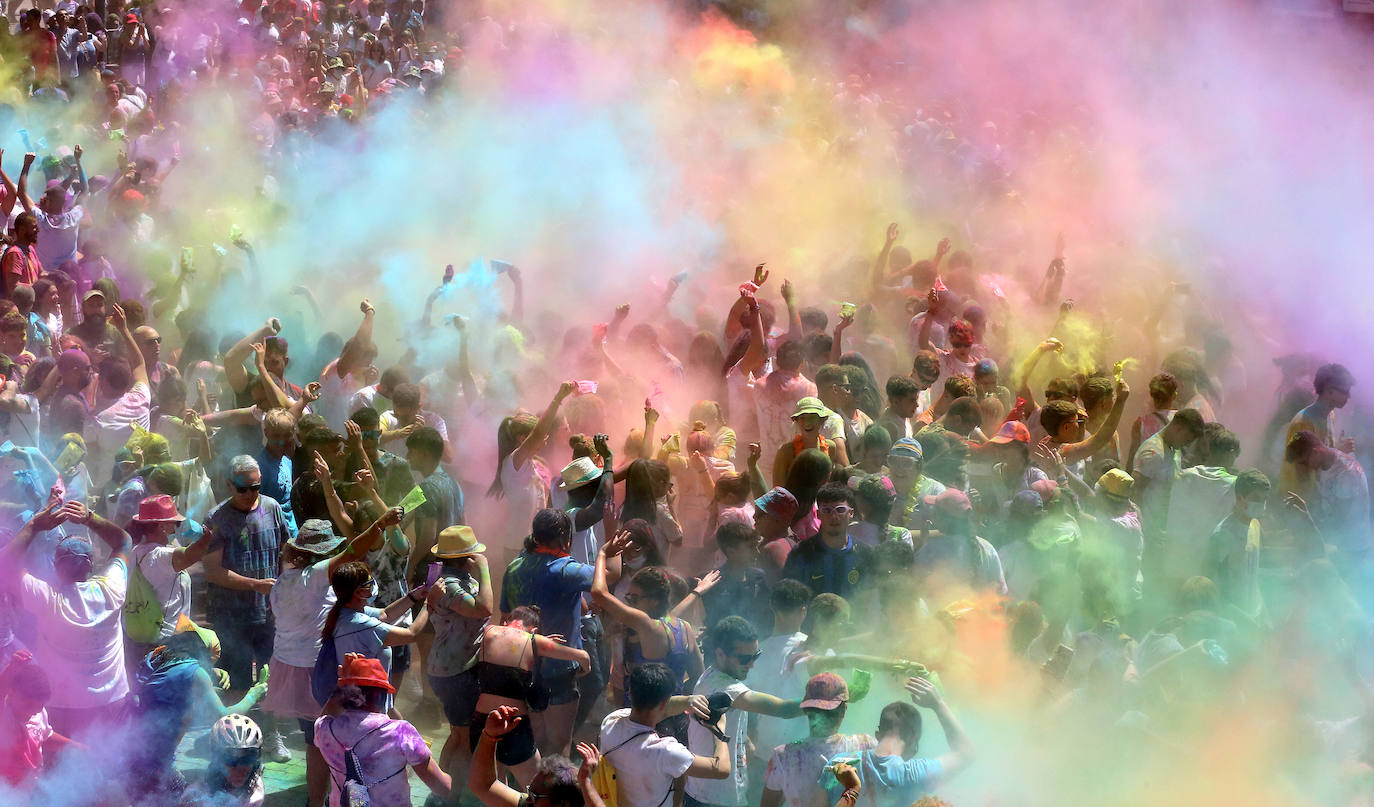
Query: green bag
(143, 616)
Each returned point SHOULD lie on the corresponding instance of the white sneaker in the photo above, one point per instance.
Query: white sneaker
(276, 748)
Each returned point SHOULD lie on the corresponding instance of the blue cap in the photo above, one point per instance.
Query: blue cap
(906, 447)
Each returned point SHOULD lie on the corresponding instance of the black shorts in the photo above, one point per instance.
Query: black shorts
(512, 749)
(562, 686)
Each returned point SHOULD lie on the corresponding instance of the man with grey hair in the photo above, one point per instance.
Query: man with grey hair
(247, 533)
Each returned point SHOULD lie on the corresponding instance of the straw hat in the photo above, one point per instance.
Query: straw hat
(456, 542)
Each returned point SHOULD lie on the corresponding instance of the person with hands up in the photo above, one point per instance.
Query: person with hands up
(459, 603)
(892, 775)
(651, 634)
(556, 781)
(80, 641)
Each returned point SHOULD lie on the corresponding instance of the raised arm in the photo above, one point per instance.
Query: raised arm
(517, 308)
(12, 555)
(11, 193)
(356, 349)
(482, 779)
(627, 615)
(837, 339)
(878, 277)
(1028, 366)
(131, 351)
(764, 704)
(23, 193)
(1079, 451)
(595, 512)
(961, 751)
(789, 298)
(757, 484)
(279, 399)
(113, 536)
(233, 359)
(543, 428)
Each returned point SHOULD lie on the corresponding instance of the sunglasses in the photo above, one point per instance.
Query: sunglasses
(837, 510)
(246, 488)
(244, 759)
(747, 658)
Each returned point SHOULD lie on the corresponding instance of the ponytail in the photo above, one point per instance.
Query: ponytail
(509, 435)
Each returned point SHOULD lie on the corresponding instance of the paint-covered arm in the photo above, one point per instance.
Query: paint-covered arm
(234, 358)
(131, 352)
(789, 298)
(11, 193)
(517, 309)
(535, 439)
(23, 191)
(878, 275)
(1079, 451)
(113, 536)
(354, 350)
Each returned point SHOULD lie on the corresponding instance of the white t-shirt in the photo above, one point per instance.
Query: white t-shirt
(23, 426)
(432, 420)
(57, 236)
(133, 407)
(772, 674)
(732, 791)
(645, 763)
(1200, 499)
(335, 396)
(173, 588)
(526, 492)
(301, 599)
(81, 636)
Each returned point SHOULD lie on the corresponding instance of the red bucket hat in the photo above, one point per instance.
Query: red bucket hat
(359, 670)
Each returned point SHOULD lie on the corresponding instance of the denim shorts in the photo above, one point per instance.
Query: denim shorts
(458, 695)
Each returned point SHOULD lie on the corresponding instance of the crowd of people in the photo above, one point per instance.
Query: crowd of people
(738, 578)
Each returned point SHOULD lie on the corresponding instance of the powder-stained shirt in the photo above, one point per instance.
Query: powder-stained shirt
(251, 545)
(385, 749)
(795, 768)
(457, 638)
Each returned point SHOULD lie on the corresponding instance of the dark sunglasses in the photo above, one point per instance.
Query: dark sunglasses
(247, 488)
(246, 758)
(747, 658)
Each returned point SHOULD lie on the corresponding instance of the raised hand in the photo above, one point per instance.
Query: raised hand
(366, 307)
(501, 721)
(755, 454)
(707, 582)
(942, 248)
(892, 233)
(311, 393)
(365, 479)
(622, 311)
(590, 759)
(760, 274)
(321, 469)
(923, 693)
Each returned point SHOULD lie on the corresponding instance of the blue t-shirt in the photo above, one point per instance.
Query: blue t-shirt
(276, 482)
(251, 544)
(889, 780)
(826, 570)
(554, 584)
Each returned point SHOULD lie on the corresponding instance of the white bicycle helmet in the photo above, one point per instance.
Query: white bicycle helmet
(236, 732)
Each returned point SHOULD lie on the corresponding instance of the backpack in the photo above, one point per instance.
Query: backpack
(324, 679)
(354, 791)
(143, 617)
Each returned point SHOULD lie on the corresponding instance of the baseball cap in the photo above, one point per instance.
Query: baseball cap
(93, 293)
(1026, 503)
(952, 502)
(1012, 431)
(906, 447)
(778, 503)
(825, 691)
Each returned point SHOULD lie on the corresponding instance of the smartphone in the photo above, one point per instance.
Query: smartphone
(433, 576)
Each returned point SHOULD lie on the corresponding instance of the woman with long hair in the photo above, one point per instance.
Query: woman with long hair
(522, 478)
(648, 485)
(809, 471)
(356, 626)
(650, 635)
(355, 719)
